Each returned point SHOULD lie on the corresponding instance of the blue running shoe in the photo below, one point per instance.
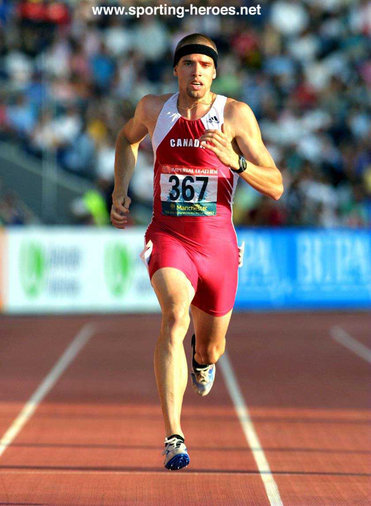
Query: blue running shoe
(202, 377)
(176, 455)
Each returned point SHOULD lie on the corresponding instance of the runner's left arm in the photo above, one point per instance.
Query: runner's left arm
(241, 125)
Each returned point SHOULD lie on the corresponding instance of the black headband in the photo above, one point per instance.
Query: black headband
(195, 48)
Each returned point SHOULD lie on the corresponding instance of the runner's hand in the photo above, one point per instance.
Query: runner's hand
(120, 210)
(220, 144)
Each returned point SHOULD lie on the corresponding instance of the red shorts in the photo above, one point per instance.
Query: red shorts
(212, 269)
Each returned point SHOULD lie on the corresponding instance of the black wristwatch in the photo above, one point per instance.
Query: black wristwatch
(242, 163)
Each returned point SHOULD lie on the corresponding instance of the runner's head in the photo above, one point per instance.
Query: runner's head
(195, 62)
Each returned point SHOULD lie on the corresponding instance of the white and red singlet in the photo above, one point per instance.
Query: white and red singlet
(191, 227)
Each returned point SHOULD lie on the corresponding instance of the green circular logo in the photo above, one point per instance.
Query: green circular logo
(32, 268)
(117, 264)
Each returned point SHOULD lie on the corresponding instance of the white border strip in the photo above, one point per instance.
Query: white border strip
(342, 337)
(31, 405)
(249, 431)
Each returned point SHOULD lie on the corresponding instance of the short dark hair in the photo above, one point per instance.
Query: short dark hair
(196, 38)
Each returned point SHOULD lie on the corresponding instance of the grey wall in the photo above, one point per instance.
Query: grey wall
(46, 190)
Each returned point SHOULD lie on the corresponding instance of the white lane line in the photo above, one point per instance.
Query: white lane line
(130, 473)
(81, 338)
(249, 431)
(342, 337)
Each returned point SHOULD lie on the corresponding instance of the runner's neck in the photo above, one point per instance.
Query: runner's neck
(195, 109)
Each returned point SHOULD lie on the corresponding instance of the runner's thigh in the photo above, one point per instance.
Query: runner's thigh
(173, 289)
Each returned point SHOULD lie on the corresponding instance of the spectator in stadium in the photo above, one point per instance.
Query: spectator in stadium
(303, 68)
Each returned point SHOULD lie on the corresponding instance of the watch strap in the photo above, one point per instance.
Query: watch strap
(242, 163)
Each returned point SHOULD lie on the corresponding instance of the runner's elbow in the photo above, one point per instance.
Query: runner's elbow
(278, 191)
(123, 142)
(121, 137)
(277, 188)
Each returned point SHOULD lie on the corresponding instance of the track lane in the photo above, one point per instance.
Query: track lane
(86, 442)
(308, 401)
(103, 419)
(30, 346)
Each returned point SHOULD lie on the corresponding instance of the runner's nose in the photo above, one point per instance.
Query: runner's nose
(197, 69)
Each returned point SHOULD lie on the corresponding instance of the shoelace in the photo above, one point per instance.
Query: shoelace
(172, 443)
(203, 374)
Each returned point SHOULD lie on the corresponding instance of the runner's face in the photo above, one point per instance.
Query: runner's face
(195, 74)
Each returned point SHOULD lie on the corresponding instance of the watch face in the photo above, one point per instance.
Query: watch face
(243, 163)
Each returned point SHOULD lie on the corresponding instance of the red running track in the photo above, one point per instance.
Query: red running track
(96, 437)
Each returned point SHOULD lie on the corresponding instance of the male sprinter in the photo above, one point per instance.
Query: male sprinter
(202, 144)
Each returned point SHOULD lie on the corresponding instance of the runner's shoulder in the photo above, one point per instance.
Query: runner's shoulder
(236, 108)
(237, 113)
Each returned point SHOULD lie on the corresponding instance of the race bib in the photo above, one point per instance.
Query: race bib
(188, 191)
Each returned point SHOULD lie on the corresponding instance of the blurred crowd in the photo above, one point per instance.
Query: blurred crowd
(13, 211)
(69, 80)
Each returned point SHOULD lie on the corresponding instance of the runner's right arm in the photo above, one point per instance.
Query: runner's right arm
(127, 144)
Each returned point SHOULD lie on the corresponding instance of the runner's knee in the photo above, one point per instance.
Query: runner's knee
(175, 322)
(211, 353)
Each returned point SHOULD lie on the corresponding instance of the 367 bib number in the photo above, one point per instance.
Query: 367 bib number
(188, 191)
